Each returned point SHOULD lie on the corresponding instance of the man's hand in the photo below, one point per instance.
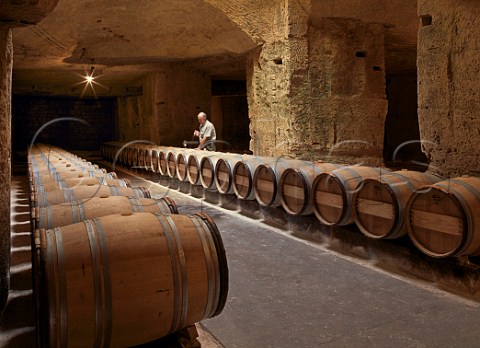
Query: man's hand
(196, 133)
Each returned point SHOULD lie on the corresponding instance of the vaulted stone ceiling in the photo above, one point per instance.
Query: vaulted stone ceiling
(125, 39)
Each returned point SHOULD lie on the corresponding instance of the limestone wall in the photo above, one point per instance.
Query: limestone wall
(448, 97)
(166, 112)
(6, 63)
(348, 100)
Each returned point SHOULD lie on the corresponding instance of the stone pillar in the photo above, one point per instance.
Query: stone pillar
(6, 64)
(317, 88)
(348, 95)
(277, 82)
(448, 74)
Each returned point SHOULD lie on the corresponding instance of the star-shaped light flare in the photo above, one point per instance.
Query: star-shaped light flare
(89, 81)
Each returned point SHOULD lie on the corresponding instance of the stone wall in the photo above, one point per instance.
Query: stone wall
(71, 123)
(448, 97)
(166, 112)
(6, 63)
(347, 86)
(180, 94)
(317, 88)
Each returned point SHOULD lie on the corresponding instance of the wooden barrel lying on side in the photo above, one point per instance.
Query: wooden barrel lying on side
(181, 165)
(162, 160)
(72, 212)
(70, 183)
(67, 171)
(152, 159)
(87, 191)
(243, 172)
(224, 171)
(266, 180)
(172, 163)
(193, 169)
(379, 206)
(207, 170)
(154, 155)
(444, 220)
(333, 193)
(295, 187)
(55, 177)
(92, 290)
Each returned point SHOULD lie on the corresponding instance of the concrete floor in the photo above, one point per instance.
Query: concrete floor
(285, 292)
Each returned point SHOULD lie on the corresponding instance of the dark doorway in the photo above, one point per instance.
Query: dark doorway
(402, 148)
(230, 115)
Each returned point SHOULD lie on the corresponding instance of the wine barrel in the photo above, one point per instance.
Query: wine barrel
(153, 159)
(443, 219)
(295, 187)
(181, 165)
(43, 199)
(66, 171)
(207, 170)
(379, 204)
(70, 183)
(193, 168)
(243, 172)
(76, 211)
(266, 180)
(55, 177)
(224, 171)
(333, 193)
(162, 160)
(172, 163)
(99, 292)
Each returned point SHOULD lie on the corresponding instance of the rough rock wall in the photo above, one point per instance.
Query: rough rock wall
(318, 88)
(277, 82)
(348, 99)
(180, 94)
(448, 71)
(6, 64)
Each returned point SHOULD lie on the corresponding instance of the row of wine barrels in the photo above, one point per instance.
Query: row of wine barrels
(121, 270)
(333, 192)
(379, 204)
(74, 182)
(383, 204)
(72, 212)
(295, 186)
(43, 199)
(266, 179)
(92, 290)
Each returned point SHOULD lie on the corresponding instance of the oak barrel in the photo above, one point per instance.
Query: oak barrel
(124, 280)
(172, 162)
(295, 187)
(181, 165)
(154, 153)
(243, 172)
(379, 206)
(266, 180)
(54, 177)
(162, 160)
(224, 171)
(207, 170)
(193, 169)
(69, 183)
(333, 193)
(444, 220)
(42, 199)
(69, 213)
